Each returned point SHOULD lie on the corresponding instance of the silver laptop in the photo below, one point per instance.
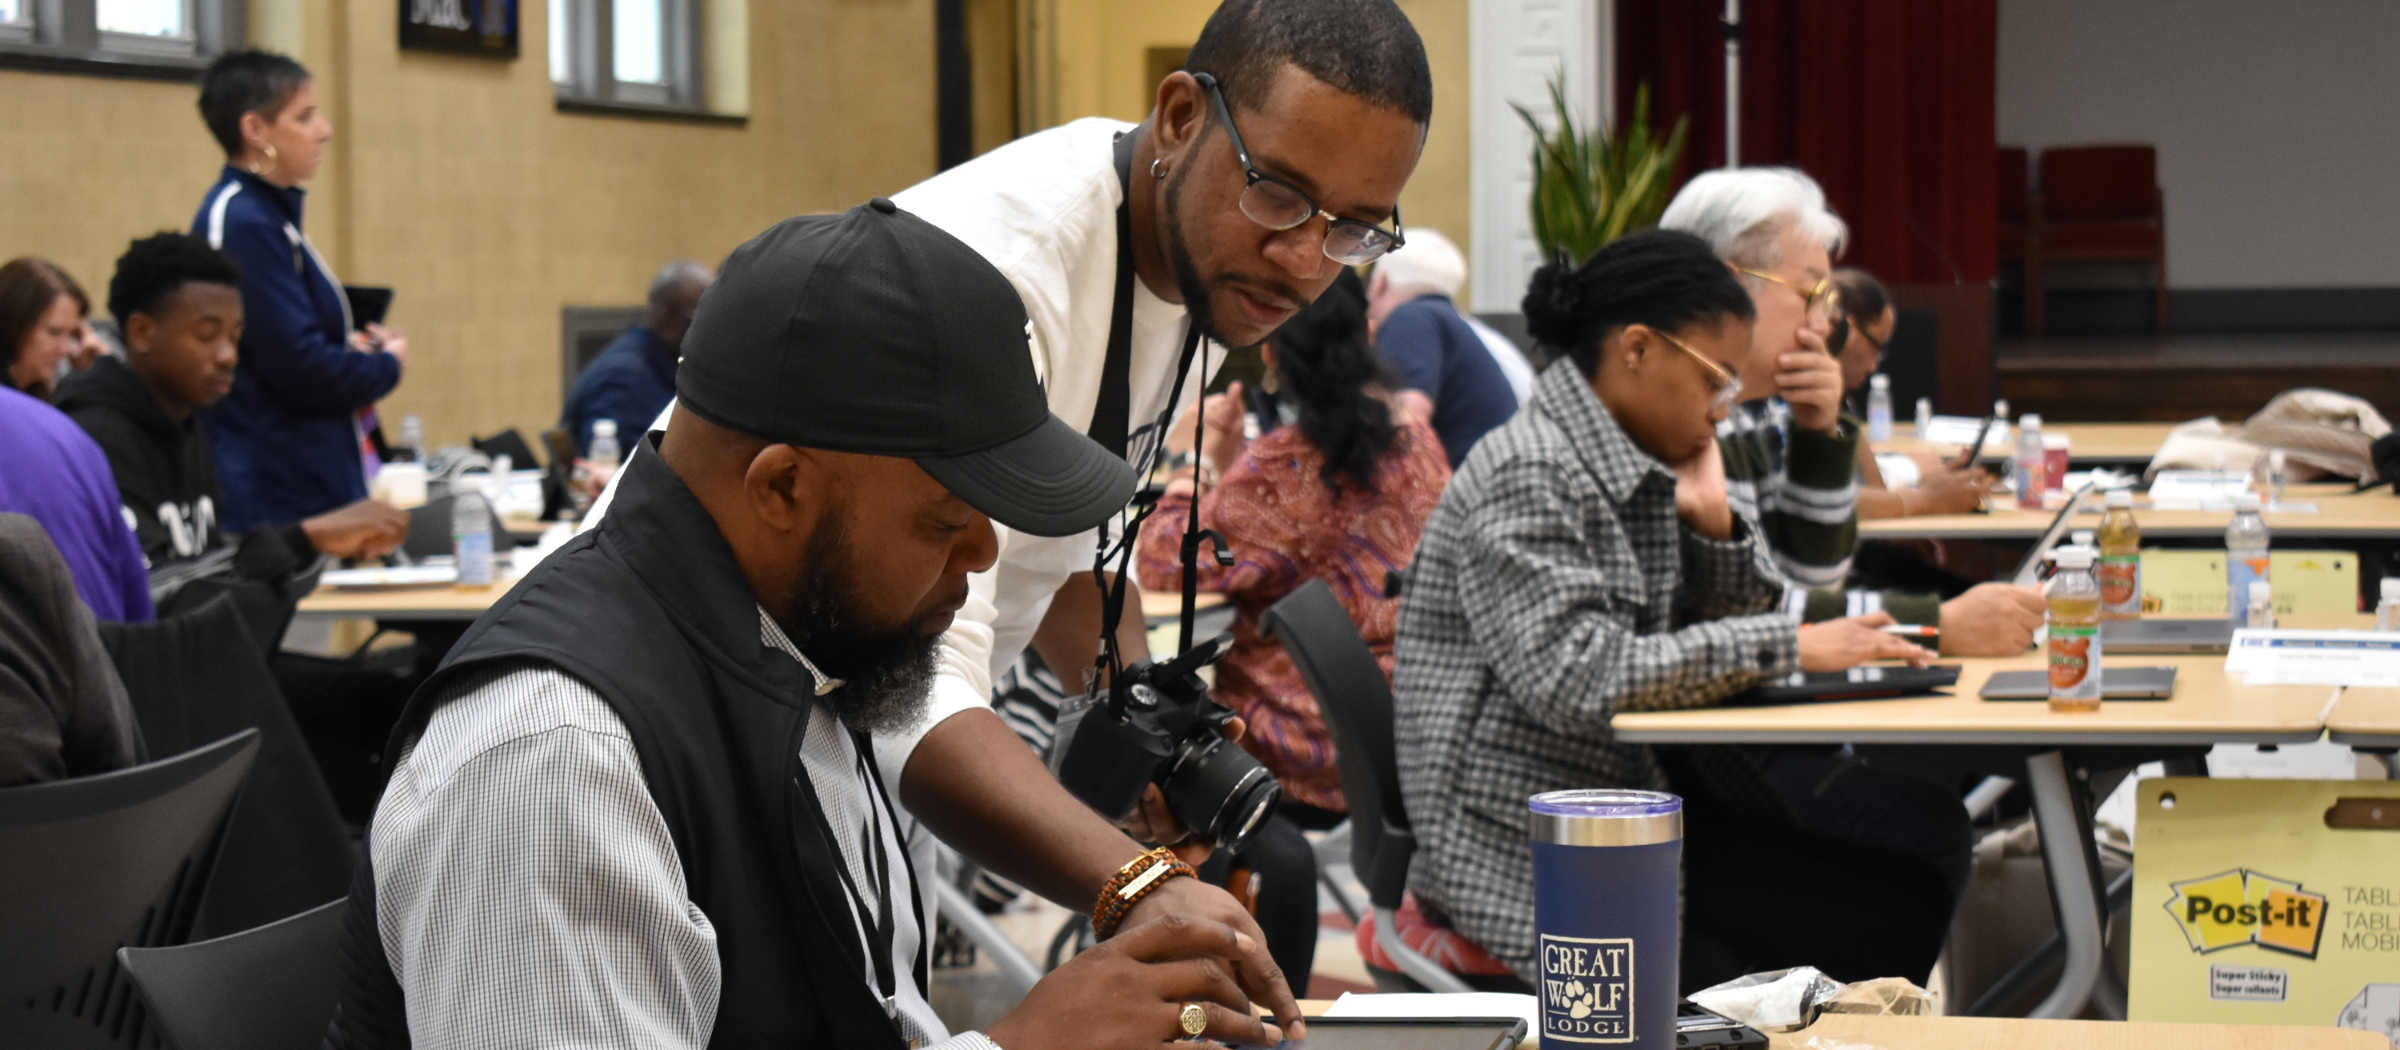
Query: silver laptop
(2166, 637)
(2116, 683)
(2029, 571)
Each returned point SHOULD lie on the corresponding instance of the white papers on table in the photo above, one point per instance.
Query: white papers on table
(395, 576)
(2280, 657)
(1958, 430)
(2197, 489)
(1427, 1004)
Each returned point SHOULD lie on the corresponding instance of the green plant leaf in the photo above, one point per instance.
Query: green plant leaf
(1592, 186)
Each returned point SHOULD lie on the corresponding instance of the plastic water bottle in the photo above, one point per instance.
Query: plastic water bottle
(604, 453)
(2120, 568)
(2267, 476)
(2245, 555)
(1924, 417)
(412, 441)
(2260, 613)
(2387, 611)
(1879, 407)
(2032, 462)
(2073, 636)
(471, 537)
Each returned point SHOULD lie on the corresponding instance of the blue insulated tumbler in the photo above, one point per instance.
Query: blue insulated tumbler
(1604, 875)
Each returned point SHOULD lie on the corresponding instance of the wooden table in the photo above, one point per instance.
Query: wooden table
(2111, 444)
(2367, 717)
(439, 602)
(1998, 1033)
(2341, 514)
(2208, 708)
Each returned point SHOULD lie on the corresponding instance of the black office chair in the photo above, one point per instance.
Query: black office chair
(271, 988)
(429, 530)
(90, 864)
(197, 677)
(1357, 703)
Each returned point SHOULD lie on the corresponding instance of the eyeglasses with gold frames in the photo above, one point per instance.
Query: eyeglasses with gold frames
(1729, 384)
(1818, 299)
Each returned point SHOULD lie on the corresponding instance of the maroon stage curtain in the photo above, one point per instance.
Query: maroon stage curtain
(1888, 103)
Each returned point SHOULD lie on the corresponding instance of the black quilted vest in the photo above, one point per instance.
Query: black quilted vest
(650, 610)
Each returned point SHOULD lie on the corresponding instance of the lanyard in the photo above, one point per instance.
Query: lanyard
(877, 923)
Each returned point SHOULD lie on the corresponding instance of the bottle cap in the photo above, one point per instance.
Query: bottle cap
(2030, 421)
(2275, 458)
(2056, 441)
(502, 464)
(2073, 557)
(2391, 588)
(2261, 590)
(2245, 501)
(604, 426)
(2121, 498)
(2081, 537)
(1879, 381)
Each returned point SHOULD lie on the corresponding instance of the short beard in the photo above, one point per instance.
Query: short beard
(1196, 300)
(887, 672)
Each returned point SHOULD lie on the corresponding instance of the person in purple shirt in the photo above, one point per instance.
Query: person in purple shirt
(55, 474)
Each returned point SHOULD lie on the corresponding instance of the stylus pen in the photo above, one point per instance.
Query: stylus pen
(1911, 630)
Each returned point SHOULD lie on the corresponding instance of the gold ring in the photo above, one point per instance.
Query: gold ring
(1194, 1020)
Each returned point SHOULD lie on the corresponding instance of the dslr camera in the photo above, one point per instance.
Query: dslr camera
(1157, 725)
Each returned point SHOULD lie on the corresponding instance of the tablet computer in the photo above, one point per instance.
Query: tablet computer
(2116, 683)
(368, 303)
(1411, 1033)
(1857, 683)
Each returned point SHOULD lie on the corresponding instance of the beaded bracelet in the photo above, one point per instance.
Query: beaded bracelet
(1137, 879)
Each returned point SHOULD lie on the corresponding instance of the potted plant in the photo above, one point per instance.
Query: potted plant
(1591, 187)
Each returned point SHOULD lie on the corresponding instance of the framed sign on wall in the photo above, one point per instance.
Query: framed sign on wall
(465, 27)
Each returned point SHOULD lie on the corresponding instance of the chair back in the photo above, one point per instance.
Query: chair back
(1356, 701)
(429, 529)
(94, 863)
(196, 677)
(2099, 182)
(2010, 183)
(270, 988)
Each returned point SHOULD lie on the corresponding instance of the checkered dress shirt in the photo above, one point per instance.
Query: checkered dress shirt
(530, 896)
(1554, 588)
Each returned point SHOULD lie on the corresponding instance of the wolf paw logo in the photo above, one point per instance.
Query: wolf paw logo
(1581, 1000)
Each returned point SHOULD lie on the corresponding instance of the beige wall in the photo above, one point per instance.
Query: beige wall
(1097, 51)
(456, 181)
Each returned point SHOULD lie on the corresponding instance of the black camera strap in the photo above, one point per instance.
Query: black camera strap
(1111, 417)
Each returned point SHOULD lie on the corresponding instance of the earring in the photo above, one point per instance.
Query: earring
(1154, 170)
(262, 169)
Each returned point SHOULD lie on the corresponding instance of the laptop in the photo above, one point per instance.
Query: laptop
(2166, 637)
(1857, 683)
(2029, 571)
(2116, 683)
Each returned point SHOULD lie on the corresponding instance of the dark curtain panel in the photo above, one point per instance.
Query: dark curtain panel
(1890, 104)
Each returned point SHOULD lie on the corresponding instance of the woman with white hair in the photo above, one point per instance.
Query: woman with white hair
(1451, 369)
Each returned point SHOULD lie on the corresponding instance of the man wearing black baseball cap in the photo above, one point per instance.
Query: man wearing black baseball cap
(638, 805)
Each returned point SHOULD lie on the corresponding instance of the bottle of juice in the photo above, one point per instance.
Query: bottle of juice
(2074, 633)
(2120, 569)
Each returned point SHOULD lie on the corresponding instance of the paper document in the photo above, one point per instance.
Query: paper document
(2315, 657)
(396, 576)
(1958, 430)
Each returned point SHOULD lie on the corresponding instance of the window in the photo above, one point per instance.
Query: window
(148, 38)
(631, 52)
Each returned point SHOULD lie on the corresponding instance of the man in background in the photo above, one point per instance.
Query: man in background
(1454, 370)
(632, 380)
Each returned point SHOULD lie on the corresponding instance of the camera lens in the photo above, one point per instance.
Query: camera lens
(1219, 791)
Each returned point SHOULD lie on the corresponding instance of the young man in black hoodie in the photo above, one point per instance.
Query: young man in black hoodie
(179, 303)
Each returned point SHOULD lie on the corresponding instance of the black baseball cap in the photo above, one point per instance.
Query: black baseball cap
(875, 332)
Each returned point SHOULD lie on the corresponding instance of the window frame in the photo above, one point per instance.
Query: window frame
(591, 61)
(64, 36)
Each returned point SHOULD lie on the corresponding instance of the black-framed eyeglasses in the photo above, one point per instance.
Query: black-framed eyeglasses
(1279, 205)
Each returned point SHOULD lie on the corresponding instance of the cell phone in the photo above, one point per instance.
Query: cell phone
(1967, 458)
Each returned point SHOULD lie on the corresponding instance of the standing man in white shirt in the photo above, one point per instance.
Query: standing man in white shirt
(1275, 158)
